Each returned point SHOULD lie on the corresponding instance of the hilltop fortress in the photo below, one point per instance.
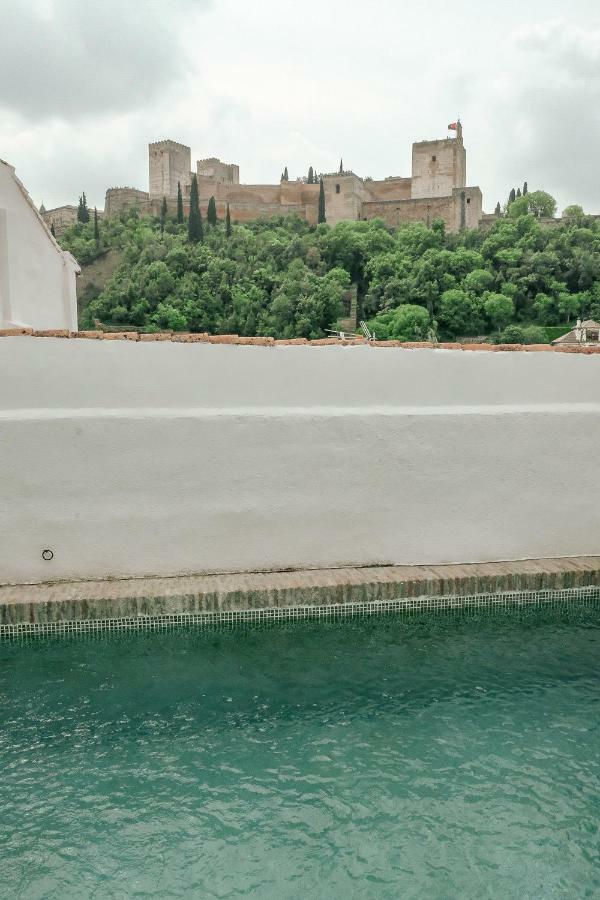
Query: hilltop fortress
(437, 189)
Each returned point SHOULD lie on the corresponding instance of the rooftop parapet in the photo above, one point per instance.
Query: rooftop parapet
(169, 144)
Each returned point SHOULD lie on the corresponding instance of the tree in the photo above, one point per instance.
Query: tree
(460, 313)
(525, 189)
(163, 214)
(83, 213)
(512, 196)
(569, 305)
(407, 322)
(321, 217)
(341, 172)
(179, 205)
(285, 176)
(536, 203)
(211, 214)
(311, 176)
(195, 230)
(573, 212)
(96, 227)
(498, 209)
(228, 222)
(518, 193)
(52, 231)
(499, 309)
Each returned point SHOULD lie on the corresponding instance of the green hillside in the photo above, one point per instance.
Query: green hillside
(284, 278)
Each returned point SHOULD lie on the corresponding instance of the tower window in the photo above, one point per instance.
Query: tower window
(434, 159)
(337, 188)
(468, 199)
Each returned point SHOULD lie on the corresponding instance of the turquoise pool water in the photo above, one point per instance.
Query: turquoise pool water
(380, 759)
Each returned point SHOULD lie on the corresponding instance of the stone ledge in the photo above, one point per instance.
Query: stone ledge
(85, 600)
(236, 340)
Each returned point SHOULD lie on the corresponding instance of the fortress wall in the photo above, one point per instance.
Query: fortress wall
(395, 212)
(119, 199)
(247, 211)
(61, 217)
(390, 189)
(252, 201)
(449, 209)
(160, 458)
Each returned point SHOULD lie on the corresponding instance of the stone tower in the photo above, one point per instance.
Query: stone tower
(438, 167)
(170, 162)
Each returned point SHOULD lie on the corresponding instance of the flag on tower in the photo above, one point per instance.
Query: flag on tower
(453, 126)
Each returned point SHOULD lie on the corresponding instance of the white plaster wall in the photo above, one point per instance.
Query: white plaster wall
(37, 279)
(132, 459)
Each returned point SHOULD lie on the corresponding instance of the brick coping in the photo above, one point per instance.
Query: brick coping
(418, 580)
(204, 338)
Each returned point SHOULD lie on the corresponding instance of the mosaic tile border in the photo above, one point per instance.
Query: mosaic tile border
(508, 600)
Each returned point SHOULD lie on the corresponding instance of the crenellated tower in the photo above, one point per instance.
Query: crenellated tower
(438, 167)
(169, 163)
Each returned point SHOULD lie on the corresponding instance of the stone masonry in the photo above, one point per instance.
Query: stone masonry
(436, 189)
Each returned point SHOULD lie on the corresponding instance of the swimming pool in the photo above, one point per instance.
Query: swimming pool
(381, 758)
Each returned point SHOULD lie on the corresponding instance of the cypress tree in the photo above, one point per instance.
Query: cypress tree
(498, 210)
(211, 215)
(179, 205)
(52, 231)
(518, 192)
(321, 217)
(286, 177)
(512, 196)
(311, 176)
(525, 189)
(228, 223)
(83, 213)
(96, 227)
(341, 167)
(195, 230)
(163, 213)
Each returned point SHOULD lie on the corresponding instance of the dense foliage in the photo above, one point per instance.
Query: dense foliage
(284, 278)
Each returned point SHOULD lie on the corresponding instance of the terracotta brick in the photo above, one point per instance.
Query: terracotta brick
(385, 344)
(445, 345)
(565, 349)
(91, 335)
(478, 346)
(222, 338)
(159, 336)
(324, 342)
(190, 337)
(415, 345)
(537, 348)
(120, 336)
(352, 342)
(53, 332)
(13, 332)
(256, 341)
(291, 342)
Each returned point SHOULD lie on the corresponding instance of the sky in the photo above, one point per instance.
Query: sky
(86, 85)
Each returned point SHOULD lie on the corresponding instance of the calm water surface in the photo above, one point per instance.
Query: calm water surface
(374, 760)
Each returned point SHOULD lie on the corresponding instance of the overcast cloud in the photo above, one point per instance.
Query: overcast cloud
(84, 86)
